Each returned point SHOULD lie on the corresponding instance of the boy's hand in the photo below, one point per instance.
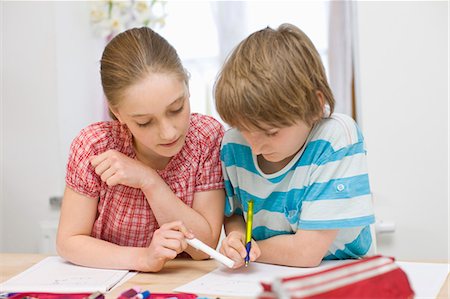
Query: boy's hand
(116, 168)
(167, 242)
(233, 247)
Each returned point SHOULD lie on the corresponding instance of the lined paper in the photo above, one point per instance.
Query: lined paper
(55, 275)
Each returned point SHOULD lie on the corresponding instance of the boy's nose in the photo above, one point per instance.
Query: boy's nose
(256, 145)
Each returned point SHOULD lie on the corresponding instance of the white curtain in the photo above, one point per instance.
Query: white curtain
(230, 18)
(341, 55)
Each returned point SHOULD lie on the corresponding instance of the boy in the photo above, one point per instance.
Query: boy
(303, 166)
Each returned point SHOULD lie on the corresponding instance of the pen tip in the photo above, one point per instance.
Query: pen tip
(246, 264)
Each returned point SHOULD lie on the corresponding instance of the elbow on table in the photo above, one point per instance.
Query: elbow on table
(200, 257)
(61, 247)
(309, 261)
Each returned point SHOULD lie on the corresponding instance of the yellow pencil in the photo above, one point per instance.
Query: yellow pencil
(248, 234)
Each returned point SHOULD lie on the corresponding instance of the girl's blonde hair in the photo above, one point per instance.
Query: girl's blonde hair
(272, 78)
(131, 56)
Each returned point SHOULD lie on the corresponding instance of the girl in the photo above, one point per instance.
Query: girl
(137, 186)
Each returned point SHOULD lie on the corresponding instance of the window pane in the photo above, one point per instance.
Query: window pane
(192, 28)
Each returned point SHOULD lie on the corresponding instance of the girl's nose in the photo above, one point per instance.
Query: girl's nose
(167, 131)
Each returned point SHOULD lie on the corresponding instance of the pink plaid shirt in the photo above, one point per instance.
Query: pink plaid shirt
(124, 216)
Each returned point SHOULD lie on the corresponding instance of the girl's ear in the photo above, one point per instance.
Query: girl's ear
(116, 114)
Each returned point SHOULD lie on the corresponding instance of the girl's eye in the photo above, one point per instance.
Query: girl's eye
(144, 124)
(177, 110)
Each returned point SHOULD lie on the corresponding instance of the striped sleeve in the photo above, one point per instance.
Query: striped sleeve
(338, 195)
(230, 174)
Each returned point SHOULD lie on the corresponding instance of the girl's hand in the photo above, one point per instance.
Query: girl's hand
(167, 242)
(116, 168)
(233, 247)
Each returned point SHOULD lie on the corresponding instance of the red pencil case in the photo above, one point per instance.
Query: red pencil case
(373, 277)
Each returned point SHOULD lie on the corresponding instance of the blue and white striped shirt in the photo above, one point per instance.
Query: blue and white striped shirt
(325, 186)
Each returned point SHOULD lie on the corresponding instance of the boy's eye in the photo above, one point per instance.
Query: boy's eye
(271, 134)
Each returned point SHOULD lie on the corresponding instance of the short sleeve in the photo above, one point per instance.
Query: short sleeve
(209, 174)
(233, 205)
(80, 175)
(338, 194)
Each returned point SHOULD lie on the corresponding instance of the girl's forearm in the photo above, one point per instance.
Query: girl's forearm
(167, 208)
(92, 252)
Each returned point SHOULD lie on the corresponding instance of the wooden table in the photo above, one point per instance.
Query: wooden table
(174, 274)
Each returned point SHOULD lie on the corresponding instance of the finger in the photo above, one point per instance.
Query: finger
(174, 244)
(185, 231)
(113, 180)
(107, 174)
(238, 263)
(179, 226)
(166, 253)
(97, 159)
(102, 167)
(171, 234)
(171, 225)
(237, 245)
(232, 253)
(255, 252)
(222, 249)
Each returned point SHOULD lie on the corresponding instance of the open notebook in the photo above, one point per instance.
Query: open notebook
(55, 275)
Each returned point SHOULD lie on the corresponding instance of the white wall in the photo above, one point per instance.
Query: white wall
(403, 76)
(49, 77)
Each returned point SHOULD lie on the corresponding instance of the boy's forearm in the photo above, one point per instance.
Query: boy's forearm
(296, 250)
(234, 223)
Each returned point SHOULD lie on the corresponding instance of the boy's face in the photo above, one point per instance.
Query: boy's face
(277, 144)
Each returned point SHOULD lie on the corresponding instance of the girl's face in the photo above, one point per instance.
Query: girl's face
(156, 111)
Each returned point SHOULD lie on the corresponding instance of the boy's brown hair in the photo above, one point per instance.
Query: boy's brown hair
(272, 78)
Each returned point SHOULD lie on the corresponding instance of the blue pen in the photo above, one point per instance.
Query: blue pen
(248, 233)
(143, 295)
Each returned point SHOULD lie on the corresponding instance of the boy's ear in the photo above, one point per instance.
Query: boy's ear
(321, 98)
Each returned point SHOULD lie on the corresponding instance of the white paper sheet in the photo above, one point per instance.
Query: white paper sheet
(53, 274)
(426, 279)
(244, 282)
